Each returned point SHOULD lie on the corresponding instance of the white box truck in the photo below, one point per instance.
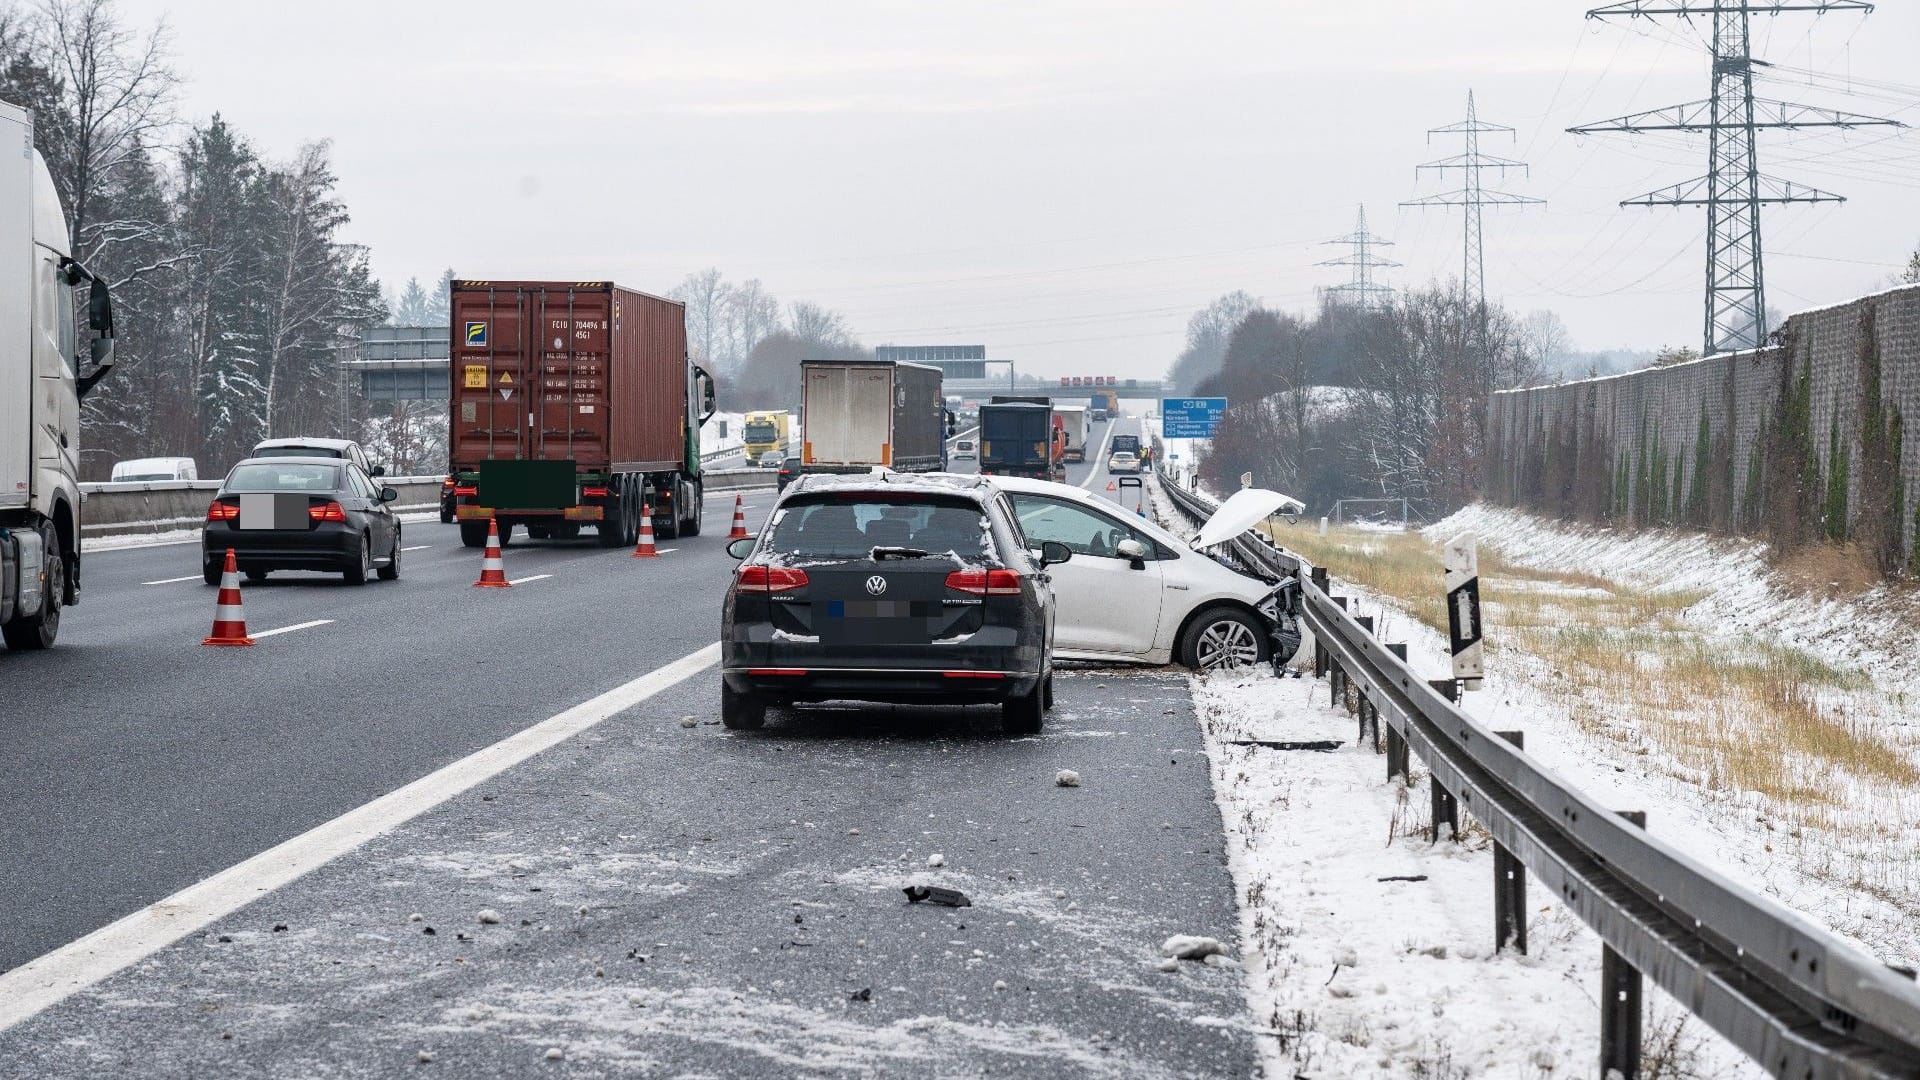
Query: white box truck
(860, 414)
(40, 390)
(1073, 425)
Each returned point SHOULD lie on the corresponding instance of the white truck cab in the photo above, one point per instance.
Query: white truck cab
(41, 385)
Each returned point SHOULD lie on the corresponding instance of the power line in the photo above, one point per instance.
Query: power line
(1734, 189)
(1362, 291)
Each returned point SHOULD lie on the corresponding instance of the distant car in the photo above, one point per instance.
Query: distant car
(770, 459)
(154, 470)
(963, 451)
(1124, 462)
(326, 448)
(1136, 593)
(889, 588)
(299, 513)
(789, 471)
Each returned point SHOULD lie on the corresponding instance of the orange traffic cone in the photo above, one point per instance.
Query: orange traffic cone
(739, 519)
(644, 549)
(229, 622)
(493, 572)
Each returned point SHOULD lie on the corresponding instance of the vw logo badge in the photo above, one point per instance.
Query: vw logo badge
(876, 585)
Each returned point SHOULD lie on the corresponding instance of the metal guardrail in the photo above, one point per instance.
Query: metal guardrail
(1798, 999)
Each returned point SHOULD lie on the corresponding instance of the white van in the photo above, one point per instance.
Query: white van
(154, 469)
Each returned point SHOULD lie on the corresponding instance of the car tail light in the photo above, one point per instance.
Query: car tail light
(985, 582)
(447, 483)
(466, 490)
(222, 511)
(330, 511)
(593, 493)
(771, 579)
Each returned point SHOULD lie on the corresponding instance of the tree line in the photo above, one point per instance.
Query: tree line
(1381, 401)
(235, 299)
(753, 347)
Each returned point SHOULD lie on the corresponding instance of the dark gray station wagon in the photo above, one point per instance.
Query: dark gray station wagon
(889, 588)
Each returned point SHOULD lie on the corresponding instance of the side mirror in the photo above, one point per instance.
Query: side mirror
(100, 321)
(707, 406)
(1133, 551)
(100, 309)
(1053, 552)
(742, 547)
(388, 494)
(377, 470)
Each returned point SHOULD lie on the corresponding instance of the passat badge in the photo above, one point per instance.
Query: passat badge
(876, 585)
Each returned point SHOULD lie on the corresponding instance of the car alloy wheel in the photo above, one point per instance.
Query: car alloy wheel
(1226, 643)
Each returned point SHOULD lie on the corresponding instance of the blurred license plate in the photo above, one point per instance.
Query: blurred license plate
(277, 511)
(877, 609)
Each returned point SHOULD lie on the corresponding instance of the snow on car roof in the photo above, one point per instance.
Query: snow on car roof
(943, 483)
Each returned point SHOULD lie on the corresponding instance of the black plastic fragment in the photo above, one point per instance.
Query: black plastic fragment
(934, 894)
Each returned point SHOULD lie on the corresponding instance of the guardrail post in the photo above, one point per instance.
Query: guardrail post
(1509, 884)
(1445, 807)
(1367, 713)
(1620, 1010)
(1397, 764)
(1318, 575)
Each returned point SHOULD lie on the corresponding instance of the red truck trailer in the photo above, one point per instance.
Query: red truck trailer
(573, 403)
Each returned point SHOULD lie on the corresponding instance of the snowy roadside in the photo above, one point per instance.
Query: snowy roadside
(1371, 949)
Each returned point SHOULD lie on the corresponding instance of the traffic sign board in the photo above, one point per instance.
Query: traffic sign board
(1191, 418)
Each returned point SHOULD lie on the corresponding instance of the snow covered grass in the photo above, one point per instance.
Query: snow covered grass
(1777, 716)
(1370, 950)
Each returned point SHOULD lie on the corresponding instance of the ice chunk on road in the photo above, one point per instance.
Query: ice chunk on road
(1190, 947)
(1066, 778)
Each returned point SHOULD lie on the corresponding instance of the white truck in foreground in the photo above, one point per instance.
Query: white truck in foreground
(40, 391)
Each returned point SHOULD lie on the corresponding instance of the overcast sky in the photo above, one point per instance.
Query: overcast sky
(1065, 182)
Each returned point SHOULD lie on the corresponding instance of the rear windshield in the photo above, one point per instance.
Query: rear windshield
(849, 526)
(288, 477)
(296, 451)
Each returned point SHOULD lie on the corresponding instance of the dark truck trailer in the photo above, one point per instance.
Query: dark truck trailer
(573, 404)
(860, 414)
(1017, 439)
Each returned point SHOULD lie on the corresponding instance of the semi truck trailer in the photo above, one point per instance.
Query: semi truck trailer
(573, 405)
(41, 386)
(1020, 438)
(863, 414)
(1072, 421)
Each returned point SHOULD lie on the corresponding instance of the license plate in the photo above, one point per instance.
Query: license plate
(878, 609)
(273, 511)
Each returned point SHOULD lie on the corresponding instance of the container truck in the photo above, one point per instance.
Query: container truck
(1019, 438)
(573, 405)
(40, 392)
(766, 436)
(862, 414)
(1106, 405)
(1072, 421)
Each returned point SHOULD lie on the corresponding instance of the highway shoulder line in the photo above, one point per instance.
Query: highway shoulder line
(529, 577)
(308, 625)
(173, 580)
(49, 979)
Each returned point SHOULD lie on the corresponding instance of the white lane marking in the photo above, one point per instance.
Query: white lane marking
(1100, 462)
(417, 547)
(531, 577)
(174, 580)
(49, 979)
(310, 624)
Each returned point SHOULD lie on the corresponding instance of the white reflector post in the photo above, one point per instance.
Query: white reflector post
(1463, 609)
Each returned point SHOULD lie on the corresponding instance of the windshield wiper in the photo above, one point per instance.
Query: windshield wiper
(880, 553)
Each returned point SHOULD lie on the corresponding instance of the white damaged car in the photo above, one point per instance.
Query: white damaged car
(1136, 593)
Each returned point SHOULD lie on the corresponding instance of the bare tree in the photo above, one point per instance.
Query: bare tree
(705, 294)
(116, 88)
(1544, 338)
(820, 326)
(1207, 334)
(752, 315)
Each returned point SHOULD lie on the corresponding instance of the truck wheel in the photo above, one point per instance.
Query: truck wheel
(473, 534)
(697, 496)
(670, 525)
(741, 712)
(39, 631)
(615, 522)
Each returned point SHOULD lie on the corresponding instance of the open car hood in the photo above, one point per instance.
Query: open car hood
(1245, 509)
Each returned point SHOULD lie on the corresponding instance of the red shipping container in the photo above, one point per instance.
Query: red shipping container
(582, 371)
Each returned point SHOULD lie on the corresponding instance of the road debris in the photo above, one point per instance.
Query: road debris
(1066, 778)
(1190, 947)
(936, 859)
(689, 722)
(488, 917)
(865, 993)
(934, 894)
(424, 1058)
(1310, 744)
(554, 1053)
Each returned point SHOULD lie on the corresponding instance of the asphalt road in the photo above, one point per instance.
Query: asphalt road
(757, 873)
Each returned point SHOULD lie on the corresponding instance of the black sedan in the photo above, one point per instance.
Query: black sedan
(288, 513)
(890, 589)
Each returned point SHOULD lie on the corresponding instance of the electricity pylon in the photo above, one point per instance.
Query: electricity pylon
(1361, 291)
(1734, 189)
(1472, 196)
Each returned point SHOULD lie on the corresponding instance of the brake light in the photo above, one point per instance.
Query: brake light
(447, 483)
(466, 490)
(985, 582)
(330, 511)
(771, 579)
(593, 493)
(222, 511)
